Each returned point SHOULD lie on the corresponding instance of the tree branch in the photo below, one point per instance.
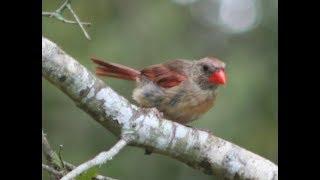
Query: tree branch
(196, 148)
(100, 159)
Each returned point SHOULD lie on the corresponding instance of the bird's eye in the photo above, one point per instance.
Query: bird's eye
(205, 68)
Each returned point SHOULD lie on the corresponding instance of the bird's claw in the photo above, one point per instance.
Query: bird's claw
(158, 113)
(201, 129)
(155, 111)
(206, 130)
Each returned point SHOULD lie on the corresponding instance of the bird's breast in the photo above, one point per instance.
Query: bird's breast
(179, 104)
(185, 105)
(188, 110)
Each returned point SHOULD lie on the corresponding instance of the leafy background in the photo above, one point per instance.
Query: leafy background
(143, 32)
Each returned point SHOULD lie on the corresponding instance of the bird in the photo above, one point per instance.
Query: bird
(181, 89)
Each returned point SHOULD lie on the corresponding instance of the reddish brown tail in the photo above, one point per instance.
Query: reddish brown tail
(115, 70)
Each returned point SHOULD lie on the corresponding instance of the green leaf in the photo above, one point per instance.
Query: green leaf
(88, 175)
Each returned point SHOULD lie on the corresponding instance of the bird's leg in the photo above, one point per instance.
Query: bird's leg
(148, 151)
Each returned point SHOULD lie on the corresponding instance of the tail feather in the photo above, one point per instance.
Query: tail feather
(115, 70)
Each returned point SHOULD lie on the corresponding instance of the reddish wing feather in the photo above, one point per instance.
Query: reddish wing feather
(166, 75)
(163, 75)
(168, 82)
(115, 70)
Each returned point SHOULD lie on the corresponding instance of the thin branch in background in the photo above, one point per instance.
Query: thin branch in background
(51, 170)
(78, 20)
(61, 18)
(63, 6)
(99, 177)
(50, 155)
(69, 166)
(60, 157)
(58, 15)
(100, 159)
(58, 167)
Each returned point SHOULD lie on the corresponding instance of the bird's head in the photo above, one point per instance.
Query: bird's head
(209, 73)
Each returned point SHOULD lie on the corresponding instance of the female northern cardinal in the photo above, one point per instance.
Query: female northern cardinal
(181, 89)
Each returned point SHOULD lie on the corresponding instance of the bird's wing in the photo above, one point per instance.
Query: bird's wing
(166, 75)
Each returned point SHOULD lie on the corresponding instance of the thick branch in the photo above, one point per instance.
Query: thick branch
(196, 148)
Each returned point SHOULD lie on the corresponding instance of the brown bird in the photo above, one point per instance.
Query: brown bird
(181, 89)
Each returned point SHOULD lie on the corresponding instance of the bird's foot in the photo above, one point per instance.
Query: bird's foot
(206, 130)
(155, 111)
(201, 129)
(158, 113)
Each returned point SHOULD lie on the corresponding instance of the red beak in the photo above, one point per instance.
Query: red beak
(218, 77)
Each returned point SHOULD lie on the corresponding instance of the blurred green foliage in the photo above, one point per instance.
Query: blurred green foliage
(143, 32)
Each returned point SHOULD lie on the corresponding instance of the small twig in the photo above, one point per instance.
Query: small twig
(63, 6)
(48, 14)
(58, 15)
(52, 170)
(69, 166)
(60, 157)
(51, 156)
(78, 20)
(100, 159)
(99, 177)
(47, 150)
(61, 18)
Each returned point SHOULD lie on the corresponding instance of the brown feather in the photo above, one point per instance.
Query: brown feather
(165, 75)
(115, 70)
